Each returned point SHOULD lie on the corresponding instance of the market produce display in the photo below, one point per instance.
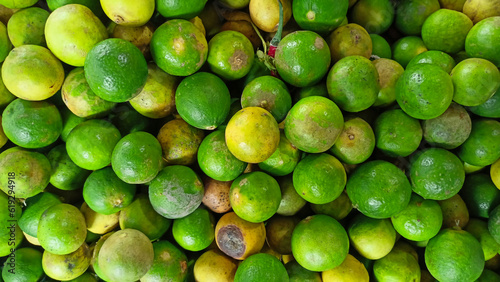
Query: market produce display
(249, 140)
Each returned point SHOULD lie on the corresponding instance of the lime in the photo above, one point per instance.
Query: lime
(456, 5)
(68, 266)
(424, 91)
(480, 195)
(15, 4)
(116, 70)
(314, 124)
(178, 47)
(27, 266)
(433, 57)
(302, 58)
(140, 36)
(31, 72)
(455, 213)
(27, 27)
(490, 108)
(93, 5)
(98, 223)
(261, 267)
(448, 130)
(479, 229)
(265, 14)
(129, 12)
(381, 48)
(350, 270)
(350, 40)
(35, 207)
(5, 96)
(297, 273)
(195, 231)
(353, 83)
(319, 16)
(319, 178)
(410, 15)
(398, 265)
(338, 208)
(482, 147)
(70, 120)
(216, 196)
(397, 133)
(495, 173)
(5, 44)
(481, 42)
(179, 142)
(65, 175)
(372, 238)
(279, 233)
(291, 201)
(179, 8)
(374, 15)
(63, 32)
(31, 124)
(478, 10)
(389, 71)
(284, 160)
(169, 263)
(90, 144)
(494, 224)
(318, 89)
(213, 264)
(407, 48)
(488, 276)
(446, 260)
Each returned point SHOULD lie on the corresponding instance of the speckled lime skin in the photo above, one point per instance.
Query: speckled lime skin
(482, 147)
(438, 58)
(454, 255)
(36, 206)
(179, 48)
(482, 40)
(424, 91)
(313, 124)
(302, 58)
(27, 27)
(378, 189)
(448, 130)
(353, 83)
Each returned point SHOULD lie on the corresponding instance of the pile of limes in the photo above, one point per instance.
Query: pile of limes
(250, 140)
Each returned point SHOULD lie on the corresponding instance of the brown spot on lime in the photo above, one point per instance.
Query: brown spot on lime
(319, 43)
(231, 241)
(118, 19)
(179, 45)
(238, 60)
(183, 266)
(351, 137)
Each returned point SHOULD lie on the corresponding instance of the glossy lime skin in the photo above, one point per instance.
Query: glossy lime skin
(454, 255)
(284, 160)
(31, 124)
(482, 147)
(490, 108)
(93, 5)
(169, 263)
(70, 120)
(380, 47)
(308, 249)
(406, 48)
(375, 16)
(14, 4)
(424, 91)
(319, 16)
(91, 143)
(448, 130)
(338, 208)
(319, 178)
(372, 238)
(216, 160)
(479, 229)
(116, 70)
(27, 27)
(398, 265)
(5, 44)
(302, 58)
(314, 124)
(180, 9)
(261, 267)
(378, 189)
(35, 207)
(410, 15)
(28, 266)
(436, 174)
(480, 195)
(494, 224)
(438, 58)
(356, 142)
(194, 232)
(475, 80)
(481, 41)
(65, 175)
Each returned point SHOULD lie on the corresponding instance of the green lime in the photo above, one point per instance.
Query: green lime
(314, 124)
(488, 276)
(179, 142)
(27, 27)
(178, 47)
(180, 9)
(448, 130)
(35, 207)
(480, 195)
(490, 108)
(356, 142)
(338, 208)
(169, 263)
(255, 196)
(410, 15)
(381, 48)
(128, 120)
(372, 238)
(353, 83)
(87, 276)
(479, 229)
(215, 159)
(261, 267)
(318, 15)
(291, 201)
(5, 44)
(455, 212)
(398, 265)
(129, 12)
(93, 5)
(116, 70)
(297, 273)
(176, 191)
(389, 71)
(482, 147)
(66, 175)
(481, 40)
(31, 124)
(308, 245)
(446, 260)
(235, 4)
(314, 90)
(302, 58)
(374, 15)
(69, 120)
(407, 48)
(90, 144)
(378, 189)
(265, 14)
(27, 266)
(350, 40)
(15, 4)
(494, 224)
(64, 36)
(68, 266)
(438, 58)
(424, 91)
(5, 96)
(445, 30)
(284, 160)
(195, 231)
(475, 80)
(397, 133)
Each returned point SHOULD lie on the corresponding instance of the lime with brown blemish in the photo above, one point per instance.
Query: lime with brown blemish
(279, 233)
(169, 263)
(27, 266)
(216, 196)
(448, 130)
(179, 142)
(213, 265)
(351, 269)
(179, 48)
(479, 229)
(32, 72)
(338, 208)
(481, 40)
(438, 58)
(68, 266)
(291, 201)
(314, 124)
(35, 207)
(239, 238)
(480, 195)
(407, 48)
(65, 175)
(372, 238)
(27, 27)
(105, 193)
(98, 223)
(389, 71)
(71, 31)
(455, 212)
(356, 142)
(194, 232)
(129, 12)
(350, 40)
(482, 147)
(265, 14)
(261, 267)
(284, 160)
(319, 16)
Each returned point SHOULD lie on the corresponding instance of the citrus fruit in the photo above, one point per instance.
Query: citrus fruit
(128, 120)
(216, 196)
(31, 124)
(32, 72)
(70, 120)
(157, 98)
(410, 15)
(129, 12)
(213, 265)
(239, 238)
(31, 172)
(380, 47)
(475, 80)
(140, 36)
(424, 91)
(235, 4)
(479, 229)
(494, 224)
(65, 175)
(495, 173)
(448, 130)
(230, 55)
(297, 273)
(446, 260)
(455, 213)
(14, 4)
(27, 266)
(5, 96)
(284, 160)
(169, 263)
(307, 248)
(261, 267)
(389, 71)
(480, 195)
(98, 223)
(180, 9)
(215, 159)
(398, 265)
(255, 196)
(115, 70)
(350, 270)
(203, 100)
(445, 30)
(126, 255)
(478, 10)
(374, 15)
(93, 5)
(195, 231)
(372, 238)
(378, 189)
(265, 14)
(406, 48)
(178, 47)
(35, 207)
(433, 57)
(176, 191)
(80, 99)
(353, 83)
(482, 147)
(64, 36)
(481, 42)
(252, 135)
(488, 275)
(338, 208)
(319, 178)
(456, 5)
(319, 16)
(68, 266)
(279, 233)
(27, 27)
(314, 124)
(490, 108)
(105, 193)
(397, 133)
(179, 142)
(350, 40)
(90, 144)
(291, 201)
(61, 229)
(302, 58)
